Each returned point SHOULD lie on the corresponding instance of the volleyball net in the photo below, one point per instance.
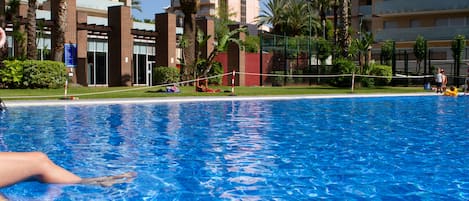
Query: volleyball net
(231, 81)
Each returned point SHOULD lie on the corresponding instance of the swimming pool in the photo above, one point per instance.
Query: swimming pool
(399, 148)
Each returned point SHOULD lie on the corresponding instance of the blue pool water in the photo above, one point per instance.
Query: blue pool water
(400, 148)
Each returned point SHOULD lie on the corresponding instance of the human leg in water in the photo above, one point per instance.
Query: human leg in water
(19, 166)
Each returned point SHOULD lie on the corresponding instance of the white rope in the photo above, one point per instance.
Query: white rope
(117, 91)
(398, 76)
(293, 75)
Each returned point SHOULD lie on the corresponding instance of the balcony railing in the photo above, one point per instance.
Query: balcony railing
(429, 33)
(365, 10)
(412, 6)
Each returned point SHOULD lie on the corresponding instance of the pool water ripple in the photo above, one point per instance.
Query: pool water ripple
(400, 148)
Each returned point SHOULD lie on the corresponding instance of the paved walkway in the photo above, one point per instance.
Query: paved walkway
(18, 103)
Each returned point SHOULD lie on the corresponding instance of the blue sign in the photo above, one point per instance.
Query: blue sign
(70, 51)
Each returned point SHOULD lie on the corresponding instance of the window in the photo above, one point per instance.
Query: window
(441, 22)
(390, 25)
(457, 21)
(415, 23)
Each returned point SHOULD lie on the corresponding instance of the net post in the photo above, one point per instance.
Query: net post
(353, 81)
(233, 82)
(65, 88)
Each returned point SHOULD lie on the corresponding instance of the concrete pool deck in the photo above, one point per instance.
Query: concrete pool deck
(26, 103)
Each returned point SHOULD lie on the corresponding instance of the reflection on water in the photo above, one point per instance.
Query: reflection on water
(251, 150)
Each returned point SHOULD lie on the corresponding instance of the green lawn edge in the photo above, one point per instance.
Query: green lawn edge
(188, 91)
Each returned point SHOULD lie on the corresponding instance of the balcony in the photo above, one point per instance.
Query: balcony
(415, 6)
(429, 33)
(365, 10)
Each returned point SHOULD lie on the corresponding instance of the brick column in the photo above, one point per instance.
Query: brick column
(166, 40)
(237, 58)
(208, 27)
(82, 51)
(120, 46)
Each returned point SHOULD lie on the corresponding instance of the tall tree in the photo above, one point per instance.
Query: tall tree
(274, 15)
(58, 31)
(189, 8)
(18, 34)
(31, 31)
(323, 6)
(4, 50)
(420, 49)
(344, 24)
(136, 4)
(288, 16)
(205, 64)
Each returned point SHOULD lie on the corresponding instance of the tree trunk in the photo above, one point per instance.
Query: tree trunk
(4, 50)
(336, 8)
(189, 50)
(344, 37)
(58, 32)
(31, 31)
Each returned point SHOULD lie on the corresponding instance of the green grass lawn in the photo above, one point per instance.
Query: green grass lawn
(148, 92)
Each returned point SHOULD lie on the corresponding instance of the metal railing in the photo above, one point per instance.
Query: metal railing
(410, 6)
(429, 33)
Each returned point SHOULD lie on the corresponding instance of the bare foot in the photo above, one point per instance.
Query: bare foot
(110, 180)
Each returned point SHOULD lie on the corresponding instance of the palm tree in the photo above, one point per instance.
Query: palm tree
(31, 31)
(274, 15)
(323, 6)
(296, 17)
(287, 16)
(4, 50)
(344, 23)
(18, 35)
(58, 31)
(220, 46)
(189, 8)
(136, 4)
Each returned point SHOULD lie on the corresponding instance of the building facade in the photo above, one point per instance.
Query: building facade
(241, 11)
(403, 20)
(112, 50)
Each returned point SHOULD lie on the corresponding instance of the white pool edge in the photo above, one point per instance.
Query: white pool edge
(110, 101)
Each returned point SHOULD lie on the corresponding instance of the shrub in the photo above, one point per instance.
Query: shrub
(44, 74)
(11, 73)
(33, 74)
(381, 70)
(165, 75)
(342, 66)
(217, 69)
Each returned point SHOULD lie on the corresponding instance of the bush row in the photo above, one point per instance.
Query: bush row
(32, 74)
(344, 66)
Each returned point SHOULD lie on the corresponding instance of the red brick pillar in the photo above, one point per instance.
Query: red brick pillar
(82, 51)
(237, 58)
(120, 46)
(208, 27)
(166, 40)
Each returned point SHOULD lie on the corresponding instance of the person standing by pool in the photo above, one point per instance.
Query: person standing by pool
(19, 166)
(444, 80)
(439, 81)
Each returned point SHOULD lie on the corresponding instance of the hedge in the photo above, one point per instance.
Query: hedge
(33, 74)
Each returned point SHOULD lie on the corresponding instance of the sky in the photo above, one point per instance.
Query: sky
(151, 7)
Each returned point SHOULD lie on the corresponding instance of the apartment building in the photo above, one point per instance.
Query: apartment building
(243, 11)
(403, 20)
